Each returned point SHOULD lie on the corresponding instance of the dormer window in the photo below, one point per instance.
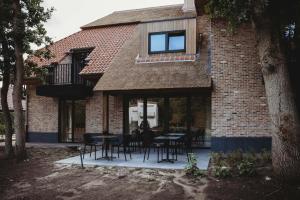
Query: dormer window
(167, 42)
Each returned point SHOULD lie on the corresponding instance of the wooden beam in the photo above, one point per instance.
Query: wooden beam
(125, 115)
(105, 113)
(166, 114)
(189, 114)
(145, 121)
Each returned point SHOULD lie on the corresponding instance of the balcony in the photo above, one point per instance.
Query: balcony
(64, 81)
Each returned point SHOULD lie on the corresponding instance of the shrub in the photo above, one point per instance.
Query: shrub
(191, 169)
(246, 168)
(266, 156)
(217, 158)
(222, 171)
(234, 157)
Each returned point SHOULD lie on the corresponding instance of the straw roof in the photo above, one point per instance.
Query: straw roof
(141, 15)
(125, 74)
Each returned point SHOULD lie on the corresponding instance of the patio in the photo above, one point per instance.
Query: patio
(202, 155)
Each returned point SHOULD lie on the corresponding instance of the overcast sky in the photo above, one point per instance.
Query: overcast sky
(70, 15)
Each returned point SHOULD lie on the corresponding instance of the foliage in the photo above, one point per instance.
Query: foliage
(2, 125)
(34, 16)
(266, 156)
(246, 168)
(191, 169)
(222, 171)
(238, 163)
(234, 11)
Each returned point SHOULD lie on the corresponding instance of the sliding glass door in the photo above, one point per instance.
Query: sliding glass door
(71, 120)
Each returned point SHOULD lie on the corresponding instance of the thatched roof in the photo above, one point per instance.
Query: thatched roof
(125, 74)
(141, 15)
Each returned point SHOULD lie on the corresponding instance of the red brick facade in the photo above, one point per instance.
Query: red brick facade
(239, 107)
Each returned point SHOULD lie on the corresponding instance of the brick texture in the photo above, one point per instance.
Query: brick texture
(42, 112)
(94, 113)
(239, 107)
(115, 114)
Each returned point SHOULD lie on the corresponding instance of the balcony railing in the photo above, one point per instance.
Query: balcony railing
(65, 74)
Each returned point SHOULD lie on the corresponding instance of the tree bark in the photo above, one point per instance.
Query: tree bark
(19, 29)
(281, 103)
(5, 84)
(4, 91)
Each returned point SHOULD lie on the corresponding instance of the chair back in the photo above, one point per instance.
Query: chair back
(188, 139)
(127, 139)
(89, 138)
(147, 138)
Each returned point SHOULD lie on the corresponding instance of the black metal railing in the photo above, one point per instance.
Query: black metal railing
(65, 74)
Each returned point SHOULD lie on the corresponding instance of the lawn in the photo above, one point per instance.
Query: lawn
(39, 178)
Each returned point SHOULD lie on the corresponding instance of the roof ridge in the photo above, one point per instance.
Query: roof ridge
(149, 8)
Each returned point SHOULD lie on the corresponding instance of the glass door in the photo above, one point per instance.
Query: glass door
(72, 120)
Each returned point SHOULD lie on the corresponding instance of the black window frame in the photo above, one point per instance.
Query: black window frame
(167, 34)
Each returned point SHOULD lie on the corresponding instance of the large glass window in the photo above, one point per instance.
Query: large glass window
(176, 42)
(177, 114)
(158, 42)
(167, 42)
(72, 120)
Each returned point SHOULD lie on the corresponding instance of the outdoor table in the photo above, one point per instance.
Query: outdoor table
(181, 135)
(175, 134)
(106, 140)
(167, 140)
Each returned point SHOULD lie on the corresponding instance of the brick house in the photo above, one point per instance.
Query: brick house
(201, 78)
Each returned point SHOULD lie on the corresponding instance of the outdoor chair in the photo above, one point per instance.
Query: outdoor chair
(136, 140)
(198, 136)
(122, 141)
(148, 142)
(89, 140)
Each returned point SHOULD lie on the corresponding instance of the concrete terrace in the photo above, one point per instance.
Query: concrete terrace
(202, 155)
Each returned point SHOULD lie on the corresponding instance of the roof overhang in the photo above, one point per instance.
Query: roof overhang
(171, 92)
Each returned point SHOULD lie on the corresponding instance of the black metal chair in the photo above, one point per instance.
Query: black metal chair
(199, 136)
(90, 140)
(136, 140)
(122, 141)
(148, 142)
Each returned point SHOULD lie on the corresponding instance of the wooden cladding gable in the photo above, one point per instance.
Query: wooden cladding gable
(187, 25)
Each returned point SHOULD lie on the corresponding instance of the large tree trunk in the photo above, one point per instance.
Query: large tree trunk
(18, 27)
(5, 83)
(281, 103)
(4, 103)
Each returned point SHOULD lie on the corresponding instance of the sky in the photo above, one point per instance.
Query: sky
(70, 15)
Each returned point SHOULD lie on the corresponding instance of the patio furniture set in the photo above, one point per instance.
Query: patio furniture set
(166, 145)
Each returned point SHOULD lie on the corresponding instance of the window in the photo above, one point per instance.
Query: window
(167, 42)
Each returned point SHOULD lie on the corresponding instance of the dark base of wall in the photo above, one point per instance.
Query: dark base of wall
(228, 144)
(42, 137)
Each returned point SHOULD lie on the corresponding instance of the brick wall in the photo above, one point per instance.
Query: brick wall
(115, 114)
(239, 107)
(42, 112)
(94, 113)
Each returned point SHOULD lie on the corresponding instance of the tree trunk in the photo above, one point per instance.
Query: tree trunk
(4, 91)
(281, 103)
(5, 83)
(19, 29)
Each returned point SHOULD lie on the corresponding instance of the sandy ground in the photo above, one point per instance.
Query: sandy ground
(39, 178)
